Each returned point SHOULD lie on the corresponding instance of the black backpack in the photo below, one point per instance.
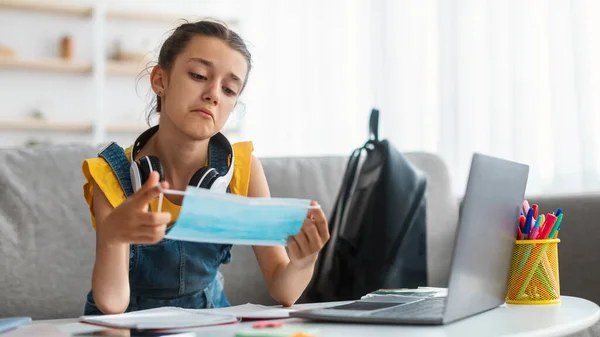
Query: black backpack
(377, 227)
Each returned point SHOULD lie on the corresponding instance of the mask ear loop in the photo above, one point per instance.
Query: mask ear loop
(164, 191)
(160, 200)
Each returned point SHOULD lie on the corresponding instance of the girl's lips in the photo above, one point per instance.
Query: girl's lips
(205, 112)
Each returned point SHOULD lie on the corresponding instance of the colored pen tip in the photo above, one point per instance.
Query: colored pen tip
(538, 221)
(530, 213)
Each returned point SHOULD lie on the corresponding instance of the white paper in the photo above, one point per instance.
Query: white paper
(406, 294)
(161, 318)
(250, 311)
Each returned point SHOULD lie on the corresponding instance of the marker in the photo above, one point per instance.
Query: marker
(550, 220)
(522, 221)
(525, 207)
(536, 228)
(519, 234)
(555, 227)
(535, 211)
(528, 224)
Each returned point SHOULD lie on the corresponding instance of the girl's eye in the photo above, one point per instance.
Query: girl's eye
(229, 91)
(197, 77)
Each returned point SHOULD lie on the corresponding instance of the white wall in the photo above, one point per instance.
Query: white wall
(70, 97)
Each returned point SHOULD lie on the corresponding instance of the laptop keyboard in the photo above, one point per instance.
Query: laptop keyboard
(429, 308)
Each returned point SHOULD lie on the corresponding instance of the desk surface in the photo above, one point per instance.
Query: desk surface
(571, 315)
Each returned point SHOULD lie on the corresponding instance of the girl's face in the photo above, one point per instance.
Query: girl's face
(202, 87)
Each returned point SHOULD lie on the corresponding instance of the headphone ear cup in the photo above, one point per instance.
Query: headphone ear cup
(148, 164)
(204, 177)
(210, 179)
(135, 176)
(157, 166)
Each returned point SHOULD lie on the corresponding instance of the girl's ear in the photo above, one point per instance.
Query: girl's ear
(158, 78)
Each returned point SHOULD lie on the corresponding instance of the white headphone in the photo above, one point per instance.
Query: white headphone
(220, 157)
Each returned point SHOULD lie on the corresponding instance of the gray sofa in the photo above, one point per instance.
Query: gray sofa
(47, 242)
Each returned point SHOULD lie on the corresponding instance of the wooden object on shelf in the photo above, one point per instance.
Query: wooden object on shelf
(66, 47)
(47, 7)
(56, 65)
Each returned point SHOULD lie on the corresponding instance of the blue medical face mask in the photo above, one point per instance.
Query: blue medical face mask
(206, 216)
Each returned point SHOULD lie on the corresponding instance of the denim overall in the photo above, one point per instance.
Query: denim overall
(170, 273)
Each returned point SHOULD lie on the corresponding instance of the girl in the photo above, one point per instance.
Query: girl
(202, 69)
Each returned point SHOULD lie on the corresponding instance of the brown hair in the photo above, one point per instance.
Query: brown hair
(178, 41)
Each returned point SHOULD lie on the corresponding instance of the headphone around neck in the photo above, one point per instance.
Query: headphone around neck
(215, 177)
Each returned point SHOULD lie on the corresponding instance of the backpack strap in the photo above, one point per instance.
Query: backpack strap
(374, 125)
(116, 158)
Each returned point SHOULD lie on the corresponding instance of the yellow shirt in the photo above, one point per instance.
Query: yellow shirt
(98, 170)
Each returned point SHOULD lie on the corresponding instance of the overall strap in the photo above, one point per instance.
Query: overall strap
(116, 158)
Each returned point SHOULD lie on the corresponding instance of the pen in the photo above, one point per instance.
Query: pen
(555, 227)
(550, 220)
(522, 221)
(528, 224)
(536, 228)
(543, 223)
(535, 211)
(525, 206)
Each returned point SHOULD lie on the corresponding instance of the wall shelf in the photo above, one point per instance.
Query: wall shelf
(86, 11)
(137, 16)
(53, 65)
(43, 125)
(126, 128)
(30, 6)
(99, 16)
(122, 68)
(32, 124)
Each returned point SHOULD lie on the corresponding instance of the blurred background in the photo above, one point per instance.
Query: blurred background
(514, 79)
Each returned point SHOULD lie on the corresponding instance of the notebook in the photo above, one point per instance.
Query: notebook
(160, 318)
(179, 318)
(9, 323)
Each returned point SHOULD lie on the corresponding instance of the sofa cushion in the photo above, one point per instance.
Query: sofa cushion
(46, 240)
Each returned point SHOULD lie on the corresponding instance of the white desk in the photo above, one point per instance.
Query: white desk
(571, 315)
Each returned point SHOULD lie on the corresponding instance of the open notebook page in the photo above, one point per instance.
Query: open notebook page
(161, 318)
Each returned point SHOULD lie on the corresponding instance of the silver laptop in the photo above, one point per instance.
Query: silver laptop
(481, 257)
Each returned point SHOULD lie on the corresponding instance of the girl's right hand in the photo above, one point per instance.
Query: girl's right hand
(132, 222)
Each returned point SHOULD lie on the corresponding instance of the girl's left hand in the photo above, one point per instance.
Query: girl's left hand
(306, 244)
